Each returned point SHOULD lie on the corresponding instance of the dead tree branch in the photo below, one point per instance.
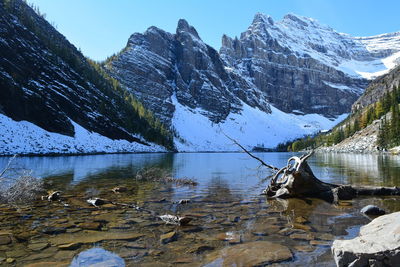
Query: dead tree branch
(251, 155)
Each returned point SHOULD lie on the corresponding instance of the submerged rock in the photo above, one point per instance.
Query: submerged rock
(231, 237)
(38, 246)
(168, 237)
(97, 257)
(119, 189)
(87, 237)
(5, 238)
(70, 246)
(90, 225)
(97, 201)
(172, 219)
(258, 253)
(184, 201)
(372, 210)
(378, 244)
(53, 196)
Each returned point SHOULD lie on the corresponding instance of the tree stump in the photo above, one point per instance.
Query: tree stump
(298, 181)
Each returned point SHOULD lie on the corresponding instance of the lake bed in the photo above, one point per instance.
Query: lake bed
(231, 222)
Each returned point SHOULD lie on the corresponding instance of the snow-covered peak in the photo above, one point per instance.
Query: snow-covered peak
(261, 18)
(359, 57)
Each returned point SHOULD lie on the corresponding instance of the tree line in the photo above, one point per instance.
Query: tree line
(385, 109)
(136, 119)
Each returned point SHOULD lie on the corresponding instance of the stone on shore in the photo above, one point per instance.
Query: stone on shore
(378, 244)
(372, 210)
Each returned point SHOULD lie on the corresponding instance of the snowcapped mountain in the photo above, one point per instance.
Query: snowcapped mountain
(303, 65)
(278, 81)
(50, 94)
(156, 65)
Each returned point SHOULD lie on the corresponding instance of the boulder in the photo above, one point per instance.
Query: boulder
(372, 210)
(377, 244)
(257, 253)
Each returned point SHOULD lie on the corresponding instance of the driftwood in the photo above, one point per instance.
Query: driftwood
(296, 180)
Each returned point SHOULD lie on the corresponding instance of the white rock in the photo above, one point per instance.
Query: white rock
(378, 244)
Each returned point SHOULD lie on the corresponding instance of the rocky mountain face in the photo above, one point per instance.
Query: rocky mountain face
(158, 66)
(301, 65)
(378, 88)
(366, 139)
(45, 80)
(281, 79)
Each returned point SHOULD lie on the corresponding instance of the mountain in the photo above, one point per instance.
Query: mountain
(377, 89)
(54, 100)
(160, 67)
(373, 125)
(278, 81)
(305, 66)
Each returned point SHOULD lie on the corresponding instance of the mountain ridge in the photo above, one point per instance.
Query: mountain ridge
(45, 80)
(169, 69)
(277, 82)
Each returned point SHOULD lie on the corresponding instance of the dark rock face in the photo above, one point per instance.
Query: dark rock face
(290, 71)
(297, 65)
(159, 67)
(38, 86)
(378, 88)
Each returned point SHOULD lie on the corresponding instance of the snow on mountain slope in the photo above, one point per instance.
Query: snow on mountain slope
(363, 57)
(251, 127)
(26, 138)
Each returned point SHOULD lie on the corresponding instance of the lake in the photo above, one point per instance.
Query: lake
(232, 222)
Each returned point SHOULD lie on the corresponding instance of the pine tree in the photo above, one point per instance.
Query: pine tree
(379, 112)
(387, 102)
(347, 131)
(356, 126)
(395, 126)
(364, 120)
(382, 134)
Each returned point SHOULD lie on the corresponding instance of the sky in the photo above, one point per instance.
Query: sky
(101, 28)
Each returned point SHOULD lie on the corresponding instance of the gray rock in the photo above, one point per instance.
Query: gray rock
(160, 68)
(295, 80)
(372, 210)
(378, 243)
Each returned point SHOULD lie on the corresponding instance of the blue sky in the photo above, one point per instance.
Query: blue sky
(102, 27)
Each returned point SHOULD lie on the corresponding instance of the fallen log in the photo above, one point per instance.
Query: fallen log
(298, 180)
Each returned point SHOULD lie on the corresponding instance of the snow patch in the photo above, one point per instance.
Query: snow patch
(343, 87)
(360, 57)
(252, 127)
(22, 137)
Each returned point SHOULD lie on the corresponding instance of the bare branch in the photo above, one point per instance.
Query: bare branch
(251, 155)
(7, 166)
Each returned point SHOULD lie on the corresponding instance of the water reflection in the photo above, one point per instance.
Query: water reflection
(236, 172)
(97, 257)
(362, 169)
